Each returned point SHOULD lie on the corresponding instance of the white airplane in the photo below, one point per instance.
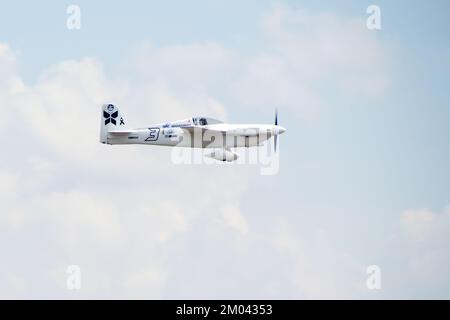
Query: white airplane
(196, 132)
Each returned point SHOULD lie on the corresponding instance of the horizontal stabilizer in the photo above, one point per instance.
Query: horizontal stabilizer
(120, 133)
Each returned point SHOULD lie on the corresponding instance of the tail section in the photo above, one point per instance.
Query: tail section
(111, 120)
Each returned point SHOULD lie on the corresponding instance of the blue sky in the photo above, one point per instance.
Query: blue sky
(364, 176)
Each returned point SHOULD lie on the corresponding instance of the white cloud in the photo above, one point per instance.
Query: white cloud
(8, 184)
(418, 223)
(307, 50)
(233, 218)
(127, 215)
(145, 284)
(330, 273)
(85, 200)
(80, 216)
(191, 66)
(162, 103)
(420, 255)
(8, 196)
(425, 225)
(172, 82)
(63, 107)
(9, 80)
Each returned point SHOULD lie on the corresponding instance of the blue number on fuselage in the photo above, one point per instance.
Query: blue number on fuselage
(154, 134)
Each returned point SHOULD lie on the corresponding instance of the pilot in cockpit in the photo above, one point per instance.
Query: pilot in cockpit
(200, 121)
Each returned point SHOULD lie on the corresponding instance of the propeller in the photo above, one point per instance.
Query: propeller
(276, 123)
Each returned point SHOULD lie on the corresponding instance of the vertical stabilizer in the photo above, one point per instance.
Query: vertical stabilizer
(111, 120)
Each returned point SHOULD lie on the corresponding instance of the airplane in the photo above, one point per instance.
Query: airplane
(195, 132)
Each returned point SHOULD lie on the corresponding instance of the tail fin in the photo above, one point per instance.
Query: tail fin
(111, 120)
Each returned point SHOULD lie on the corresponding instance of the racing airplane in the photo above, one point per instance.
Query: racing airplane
(195, 132)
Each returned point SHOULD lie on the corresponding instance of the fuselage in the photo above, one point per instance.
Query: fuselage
(197, 133)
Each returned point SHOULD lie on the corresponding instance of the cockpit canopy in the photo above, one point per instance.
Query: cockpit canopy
(204, 121)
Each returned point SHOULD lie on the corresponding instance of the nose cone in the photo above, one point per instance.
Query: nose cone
(280, 130)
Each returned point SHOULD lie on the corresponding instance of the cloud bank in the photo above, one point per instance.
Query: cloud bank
(141, 227)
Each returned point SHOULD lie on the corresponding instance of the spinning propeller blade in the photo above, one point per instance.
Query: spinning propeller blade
(276, 136)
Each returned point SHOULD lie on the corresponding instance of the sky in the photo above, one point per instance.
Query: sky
(363, 178)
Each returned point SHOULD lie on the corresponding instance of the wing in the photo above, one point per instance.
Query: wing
(246, 132)
(193, 129)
